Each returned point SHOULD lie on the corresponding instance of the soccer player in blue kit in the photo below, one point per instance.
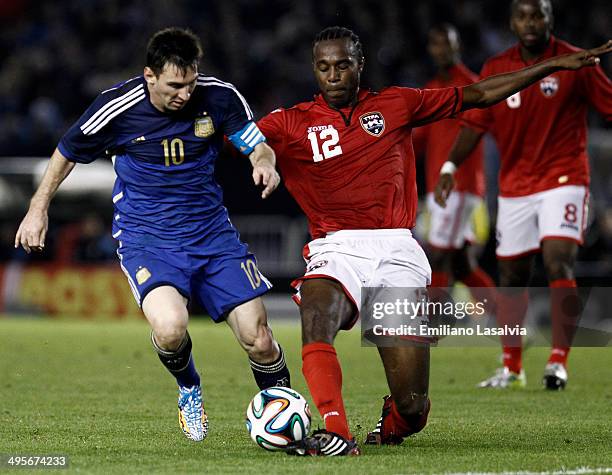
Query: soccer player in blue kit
(164, 130)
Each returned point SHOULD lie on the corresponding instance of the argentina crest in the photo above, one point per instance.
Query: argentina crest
(203, 126)
(373, 123)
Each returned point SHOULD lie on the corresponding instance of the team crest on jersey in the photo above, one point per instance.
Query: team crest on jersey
(373, 123)
(142, 275)
(204, 127)
(549, 86)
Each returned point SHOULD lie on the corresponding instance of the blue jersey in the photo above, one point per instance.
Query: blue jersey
(165, 194)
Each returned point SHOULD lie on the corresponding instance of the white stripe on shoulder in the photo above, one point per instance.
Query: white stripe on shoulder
(112, 109)
(204, 77)
(117, 112)
(109, 105)
(121, 85)
(213, 81)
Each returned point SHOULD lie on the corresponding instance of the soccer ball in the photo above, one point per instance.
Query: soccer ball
(276, 417)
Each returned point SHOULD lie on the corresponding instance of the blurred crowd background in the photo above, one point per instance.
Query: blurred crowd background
(55, 56)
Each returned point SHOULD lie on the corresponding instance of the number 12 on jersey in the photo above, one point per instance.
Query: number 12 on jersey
(329, 148)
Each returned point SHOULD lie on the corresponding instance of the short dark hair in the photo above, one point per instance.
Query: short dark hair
(444, 28)
(545, 4)
(448, 30)
(177, 46)
(339, 32)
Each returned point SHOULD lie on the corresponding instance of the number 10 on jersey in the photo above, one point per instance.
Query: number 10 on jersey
(250, 269)
(174, 151)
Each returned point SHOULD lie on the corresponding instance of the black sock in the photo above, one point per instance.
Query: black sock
(271, 374)
(180, 362)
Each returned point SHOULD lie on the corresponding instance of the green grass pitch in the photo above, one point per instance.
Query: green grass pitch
(96, 391)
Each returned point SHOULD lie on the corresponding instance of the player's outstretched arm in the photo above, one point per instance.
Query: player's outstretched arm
(33, 228)
(264, 168)
(466, 141)
(493, 89)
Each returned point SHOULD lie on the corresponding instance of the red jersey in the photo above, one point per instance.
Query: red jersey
(437, 139)
(541, 131)
(354, 168)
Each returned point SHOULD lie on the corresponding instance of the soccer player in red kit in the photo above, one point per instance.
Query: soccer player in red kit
(543, 182)
(346, 157)
(450, 230)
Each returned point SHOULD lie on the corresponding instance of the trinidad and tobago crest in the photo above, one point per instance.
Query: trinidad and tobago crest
(373, 123)
(549, 86)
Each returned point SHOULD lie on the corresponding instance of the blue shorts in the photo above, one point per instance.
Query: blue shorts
(219, 282)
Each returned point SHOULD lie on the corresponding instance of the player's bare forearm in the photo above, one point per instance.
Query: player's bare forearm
(58, 169)
(466, 141)
(493, 89)
(263, 160)
(262, 154)
(33, 228)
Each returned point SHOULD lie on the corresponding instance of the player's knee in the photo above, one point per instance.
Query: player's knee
(170, 331)
(559, 269)
(318, 324)
(511, 277)
(325, 308)
(169, 338)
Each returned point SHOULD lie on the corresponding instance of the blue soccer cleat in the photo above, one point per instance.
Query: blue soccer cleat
(192, 417)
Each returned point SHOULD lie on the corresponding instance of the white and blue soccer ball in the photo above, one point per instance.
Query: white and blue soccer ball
(276, 417)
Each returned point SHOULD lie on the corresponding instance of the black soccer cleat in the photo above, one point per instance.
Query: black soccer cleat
(375, 437)
(413, 424)
(323, 443)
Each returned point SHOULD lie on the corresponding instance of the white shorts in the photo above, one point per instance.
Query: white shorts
(366, 258)
(451, 227)
(524, 222)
